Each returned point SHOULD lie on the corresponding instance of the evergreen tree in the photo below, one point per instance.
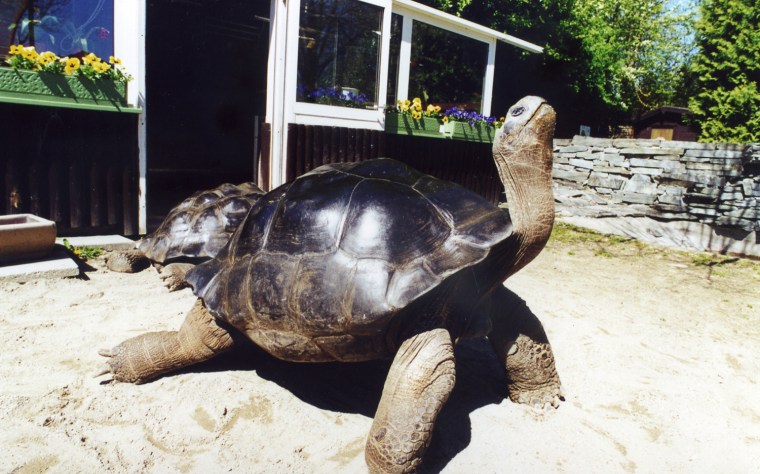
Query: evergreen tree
(726, 71)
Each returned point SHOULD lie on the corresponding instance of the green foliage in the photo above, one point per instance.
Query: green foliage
(726, 72)
(617, 58)
(84, 253)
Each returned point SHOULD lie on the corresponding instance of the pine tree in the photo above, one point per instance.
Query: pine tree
(726, 71)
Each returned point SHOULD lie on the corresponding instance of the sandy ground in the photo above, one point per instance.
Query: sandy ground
(658, 358)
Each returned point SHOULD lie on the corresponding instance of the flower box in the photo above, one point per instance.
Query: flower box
(404, 124)
(25, 237)
(464, 131)
(59, 90)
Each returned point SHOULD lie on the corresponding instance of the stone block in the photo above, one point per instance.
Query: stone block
(585, 164)
(647, 171)
(598, 180)
(714, 154)
(702, 210)
(572, 149)
(636, 198)
(670, 199)
(642, 151)
(693, 178)
(574, 176)
(744, 224)
(679, 145)
(731, 195)
(642, 184)
(591, 141)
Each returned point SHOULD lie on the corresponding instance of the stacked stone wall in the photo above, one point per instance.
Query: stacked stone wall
(715, 184)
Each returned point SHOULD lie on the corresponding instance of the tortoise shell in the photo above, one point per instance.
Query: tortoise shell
(201, 225)
(333, 256)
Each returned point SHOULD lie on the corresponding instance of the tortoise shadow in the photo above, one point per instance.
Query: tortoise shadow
(356, 388)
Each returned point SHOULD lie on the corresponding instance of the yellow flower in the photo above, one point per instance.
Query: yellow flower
(437, 108)
(416, 100)
(72, 64)
(403, 107)
(102, 67)
(416, 114)
(91, 58)
(14, 49)
(445, 119)
(417, 106)
(29, 53)
(430, 108)
(46, 58)
(114, 60)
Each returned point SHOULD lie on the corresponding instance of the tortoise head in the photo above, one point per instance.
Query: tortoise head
(527, 133)
(522, 152)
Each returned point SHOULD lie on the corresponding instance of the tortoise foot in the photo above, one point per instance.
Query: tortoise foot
(173, 275)
(131, 360)
(532, 377)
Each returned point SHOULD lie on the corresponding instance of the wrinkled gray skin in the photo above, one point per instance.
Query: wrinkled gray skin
(195, 230)
(358, 261)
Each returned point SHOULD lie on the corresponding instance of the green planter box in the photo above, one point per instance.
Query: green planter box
(404, 124)
(465, 131)
(58, 90)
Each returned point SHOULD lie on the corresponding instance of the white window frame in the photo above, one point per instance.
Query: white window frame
(282, 70)
(315, 114)
(129, 46)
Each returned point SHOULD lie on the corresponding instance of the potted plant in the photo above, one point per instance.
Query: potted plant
(408, 118)
(460, 124)
(46, 79)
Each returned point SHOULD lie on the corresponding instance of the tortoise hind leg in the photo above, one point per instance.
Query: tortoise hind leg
(521, 344)
(152, 354)
(418, 384)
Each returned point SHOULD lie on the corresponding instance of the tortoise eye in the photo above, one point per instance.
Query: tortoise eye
(517, 111)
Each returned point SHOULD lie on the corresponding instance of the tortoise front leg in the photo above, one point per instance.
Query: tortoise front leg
(521, 344)
(419, 383)
(152, 354)
(174, 275)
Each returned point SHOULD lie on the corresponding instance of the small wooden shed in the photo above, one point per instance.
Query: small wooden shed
(668, 123)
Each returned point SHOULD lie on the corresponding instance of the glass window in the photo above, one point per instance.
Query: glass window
(339, 53)
(447, 68)
(65, 27)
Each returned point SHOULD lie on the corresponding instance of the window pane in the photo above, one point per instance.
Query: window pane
(339, 52)
(65, 27)
(446, 68)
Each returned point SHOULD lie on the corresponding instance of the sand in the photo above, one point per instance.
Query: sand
(658, 359)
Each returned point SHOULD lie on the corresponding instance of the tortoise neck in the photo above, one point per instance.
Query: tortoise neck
(528, 184)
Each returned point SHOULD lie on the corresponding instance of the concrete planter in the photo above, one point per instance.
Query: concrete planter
(25, 237)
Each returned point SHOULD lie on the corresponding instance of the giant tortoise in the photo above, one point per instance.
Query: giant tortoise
(194, 230)
(368, 260)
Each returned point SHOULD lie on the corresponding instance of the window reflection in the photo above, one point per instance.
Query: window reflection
(339, 53)
(447, 68)
(65, 27)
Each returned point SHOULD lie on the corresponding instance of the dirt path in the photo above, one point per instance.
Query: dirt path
(658, 354)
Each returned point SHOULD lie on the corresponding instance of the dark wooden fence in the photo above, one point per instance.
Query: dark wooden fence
(77, 168)
(466, 163)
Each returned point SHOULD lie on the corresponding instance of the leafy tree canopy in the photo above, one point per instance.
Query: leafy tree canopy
(617, 57)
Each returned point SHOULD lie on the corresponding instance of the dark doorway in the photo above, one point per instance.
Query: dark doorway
(206, 67)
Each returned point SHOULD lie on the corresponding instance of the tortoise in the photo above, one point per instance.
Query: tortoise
(195, 230)
(360, 261)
